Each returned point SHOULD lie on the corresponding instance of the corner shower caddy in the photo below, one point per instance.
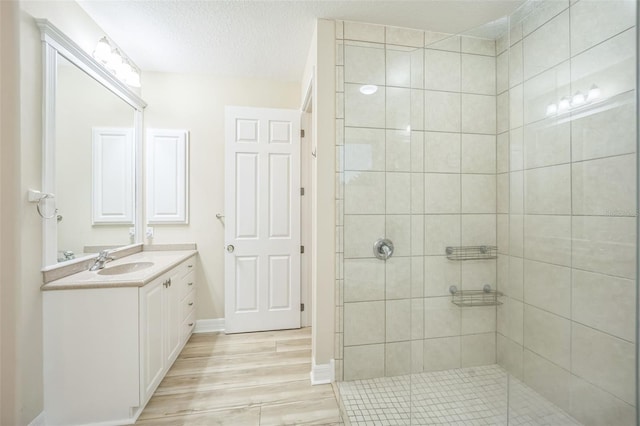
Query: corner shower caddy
(467, 298)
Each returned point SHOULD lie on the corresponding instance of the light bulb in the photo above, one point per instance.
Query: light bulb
(102, 51)
(133, 79)
(123, 71)
(564, 104)
(552, 109)
(578, 99)
(115, 60)
(594, 93)
(368, 89)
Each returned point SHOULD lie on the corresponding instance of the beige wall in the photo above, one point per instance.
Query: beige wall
(9, 181)
(196, 103)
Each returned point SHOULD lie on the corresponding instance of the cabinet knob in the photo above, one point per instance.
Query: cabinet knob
(189, 283)
(169, 282)
(190, 303)
(189, 266)
(190, 324)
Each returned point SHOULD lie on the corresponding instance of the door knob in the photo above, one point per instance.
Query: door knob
(230, 248)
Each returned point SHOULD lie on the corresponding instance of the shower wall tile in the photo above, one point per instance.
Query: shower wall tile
(547, 143)
(442, 354)
(398, 317)
(478, 46)
(502, 154)
(516, 115)
(364, 149)
(548, 239)
(417, 277)
(604, 186)
(399, 231)
(398, 198)
(398, 151)
(592, 405)
(545, 89)
(515, 281)
(364, 63)
(364, 32)
(502, 273)
(364, 362)
(511, 319)
(547, 46)
(359, 233)
(502, 231)
(548, 190)
(515, 64)
(478, 153)
(608, 133)
(502, 72)
(441, 231)
(479, 114)
(502, 193)
(364, 110)
(417, 110)
(366, 323)
(479, 230)
(417, 319)
(478, 349)
(548, 335)
(442, 111)
(364, 193)
(364, 280)
(339, 79)
(442, 152)
(398, 278)
(405, 67)
(604, 360)
(417, 195)
(604, 244)
(442, 70)
(548, 379)
(442, 193)
(404, 37)
(417, 151)
(442, 41)
(610, 65)
(440, 274)
(541, 12)
(478, 320)
(478, 193)
(516, 235)
(548, 287)
(398, 108)
(502, 112)
(516, 149)
(593, 22)
(509, 356)
(441, 318)
(502, 44)
(417, 356)
(474, 275)
(397, 358)
(604, 302)
(478, 74)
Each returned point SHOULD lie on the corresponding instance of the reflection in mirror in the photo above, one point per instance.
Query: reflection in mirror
(95, 176)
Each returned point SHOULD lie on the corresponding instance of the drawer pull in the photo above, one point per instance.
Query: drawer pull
(190, 284)
(190, 303)
(189, 266)
(190, 324)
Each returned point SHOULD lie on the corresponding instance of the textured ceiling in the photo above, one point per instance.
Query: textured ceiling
(261, 39)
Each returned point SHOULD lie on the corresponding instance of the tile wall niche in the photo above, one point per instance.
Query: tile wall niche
(416, 163)
(566, 201)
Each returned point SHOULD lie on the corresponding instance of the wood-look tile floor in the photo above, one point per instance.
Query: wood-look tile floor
(243, 379)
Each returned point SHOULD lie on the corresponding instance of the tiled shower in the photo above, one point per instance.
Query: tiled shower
(518, 135)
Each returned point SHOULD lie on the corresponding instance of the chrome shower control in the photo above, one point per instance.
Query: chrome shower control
(383, 248)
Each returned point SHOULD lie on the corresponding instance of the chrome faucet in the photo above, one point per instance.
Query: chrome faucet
(102, 258)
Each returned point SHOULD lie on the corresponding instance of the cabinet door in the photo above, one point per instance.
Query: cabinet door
(151, 336)
(173, 317)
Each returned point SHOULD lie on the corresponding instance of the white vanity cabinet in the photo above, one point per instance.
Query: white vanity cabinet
(106, 349)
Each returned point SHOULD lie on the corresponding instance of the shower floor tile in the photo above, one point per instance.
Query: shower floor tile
(466, 396)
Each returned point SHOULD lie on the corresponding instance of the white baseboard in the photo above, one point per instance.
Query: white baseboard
(209, 325)
(322, 374)
(38, 421)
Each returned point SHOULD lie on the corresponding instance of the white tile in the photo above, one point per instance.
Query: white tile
(404, 37)
(340, 105)
(364, 63)
(417, 194)
(478, 230)
(592, 22)
(441, 354)
(363, 110)
(547, 46)
(604, 302)
(398, 108)
(363, 280)
(547, 143)
(478, 46)
(417, 276)
(364, 323)
(364, 193)
(478, 74)
(516, 149)
(509, 356)
(417, 151)
(478, 114)
(398, 67)
(442, 152)
(551, 381)
(502, 72)
(481, 319)
(593, 406)
(417, 319)
(605, 186)
(398, 199)
(610, 65)
(603, 134)
(441, 41)
(398, 322)
(441, 231)
(398, 278)
(545, 89)
(442, 111)
(515, 64)
(339, 52)
(548, 190)
(548, 287)
(516, 105)
(548, 239)
(605, 245)
(478, 153)
(510, 319)
(440, 274)
(515, 286)
(502, 193)
(417, 109)
(363, 362)
(398, 229)
(541, 12)
(478, 349)
(548, 335)
(502, 112)
(478, 194)
(442, 193)
(417, 356)
(441, 317)
(502, 42)
(398, 151)
(360, 232)
(397, 358)
(363, 32)
(476, 274)
(339, 79)
(502, 232)
(364, 149)
(516, 235)
(604, 360)
(442, 70)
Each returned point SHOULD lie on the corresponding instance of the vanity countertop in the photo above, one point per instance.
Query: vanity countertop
(162, 260)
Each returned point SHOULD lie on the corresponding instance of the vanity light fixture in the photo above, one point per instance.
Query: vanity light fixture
(368, 89)
(118, 64)
(579, 99)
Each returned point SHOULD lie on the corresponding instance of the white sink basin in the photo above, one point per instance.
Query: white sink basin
(125, 268)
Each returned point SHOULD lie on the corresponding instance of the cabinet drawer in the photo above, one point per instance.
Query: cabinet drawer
(187, 267)
(187, 284)
(188, 305)
(188, 326)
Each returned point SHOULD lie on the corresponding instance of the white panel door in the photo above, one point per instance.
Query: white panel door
(262, 212)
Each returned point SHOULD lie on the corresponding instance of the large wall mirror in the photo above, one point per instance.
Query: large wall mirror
(92, 154)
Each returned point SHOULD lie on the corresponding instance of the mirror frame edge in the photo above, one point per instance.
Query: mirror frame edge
(56, 42)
